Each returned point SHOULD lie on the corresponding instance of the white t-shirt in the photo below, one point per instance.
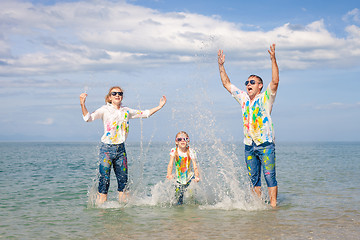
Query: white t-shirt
(258, 126)
(116, 121)
(183, 170)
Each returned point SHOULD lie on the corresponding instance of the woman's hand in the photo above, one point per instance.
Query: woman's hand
(162, 101)
(83, 98)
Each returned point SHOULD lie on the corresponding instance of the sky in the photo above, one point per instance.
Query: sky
(51, 51)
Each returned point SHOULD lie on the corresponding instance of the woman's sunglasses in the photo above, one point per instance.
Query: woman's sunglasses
(181, 139)
(118, 93)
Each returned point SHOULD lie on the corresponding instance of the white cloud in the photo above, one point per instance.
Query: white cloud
(353, 15)
(354, 32)
(83, 36)
(48, 121)
(337, 105)
(37, 83)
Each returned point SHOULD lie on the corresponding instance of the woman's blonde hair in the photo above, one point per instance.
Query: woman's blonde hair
(187, 146)
(107, 96)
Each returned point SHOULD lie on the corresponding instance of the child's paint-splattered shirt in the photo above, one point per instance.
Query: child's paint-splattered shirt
(258, 126)
(116, 121)
(183, 170)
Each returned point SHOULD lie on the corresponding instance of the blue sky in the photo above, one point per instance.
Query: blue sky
(51, 51)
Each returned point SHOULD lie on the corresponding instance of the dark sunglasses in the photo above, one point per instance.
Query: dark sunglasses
(180, 139)
(252, 82)
(118, 93)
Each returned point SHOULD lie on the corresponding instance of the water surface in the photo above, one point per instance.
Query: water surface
(46, 192)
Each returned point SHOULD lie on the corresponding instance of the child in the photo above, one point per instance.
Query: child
(182, 155)
(115, 117)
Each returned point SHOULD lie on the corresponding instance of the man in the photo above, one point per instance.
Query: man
(258, 127)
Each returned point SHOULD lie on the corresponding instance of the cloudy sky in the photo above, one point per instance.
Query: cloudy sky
(52, 50)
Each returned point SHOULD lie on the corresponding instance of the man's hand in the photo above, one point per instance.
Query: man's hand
(272, 52)
(221, 57)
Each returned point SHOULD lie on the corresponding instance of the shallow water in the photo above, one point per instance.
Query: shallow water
(46, 192)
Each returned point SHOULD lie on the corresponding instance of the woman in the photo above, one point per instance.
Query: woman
(115, 118)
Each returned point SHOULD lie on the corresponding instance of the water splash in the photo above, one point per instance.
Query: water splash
(224, 183)
(92, 193)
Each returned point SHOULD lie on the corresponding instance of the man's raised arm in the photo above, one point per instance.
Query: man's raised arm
(224, 77)
(275, 70)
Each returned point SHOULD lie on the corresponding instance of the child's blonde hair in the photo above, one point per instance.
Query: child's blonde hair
(187, 146)
(107, 96)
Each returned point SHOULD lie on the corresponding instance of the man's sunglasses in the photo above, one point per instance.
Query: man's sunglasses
(180, 139)
(118, 93)
(252, 82)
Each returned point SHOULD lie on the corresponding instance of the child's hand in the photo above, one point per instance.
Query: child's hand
(197, 179)
(170, 176)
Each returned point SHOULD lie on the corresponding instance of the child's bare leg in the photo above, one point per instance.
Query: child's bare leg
(123, 196)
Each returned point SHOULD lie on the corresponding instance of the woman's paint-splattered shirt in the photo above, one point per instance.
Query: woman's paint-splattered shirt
(116, 121)
(183, 170)
(258, 126)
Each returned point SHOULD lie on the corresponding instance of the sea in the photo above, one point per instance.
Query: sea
(48, 191)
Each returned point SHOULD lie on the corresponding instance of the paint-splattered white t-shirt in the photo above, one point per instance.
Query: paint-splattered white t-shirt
(258, 126)
(183, 170)
(116, 121)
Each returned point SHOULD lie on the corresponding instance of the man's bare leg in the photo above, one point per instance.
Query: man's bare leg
(257, 190)
(273, 191)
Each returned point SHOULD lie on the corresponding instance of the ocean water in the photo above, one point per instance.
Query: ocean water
(47, 192)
